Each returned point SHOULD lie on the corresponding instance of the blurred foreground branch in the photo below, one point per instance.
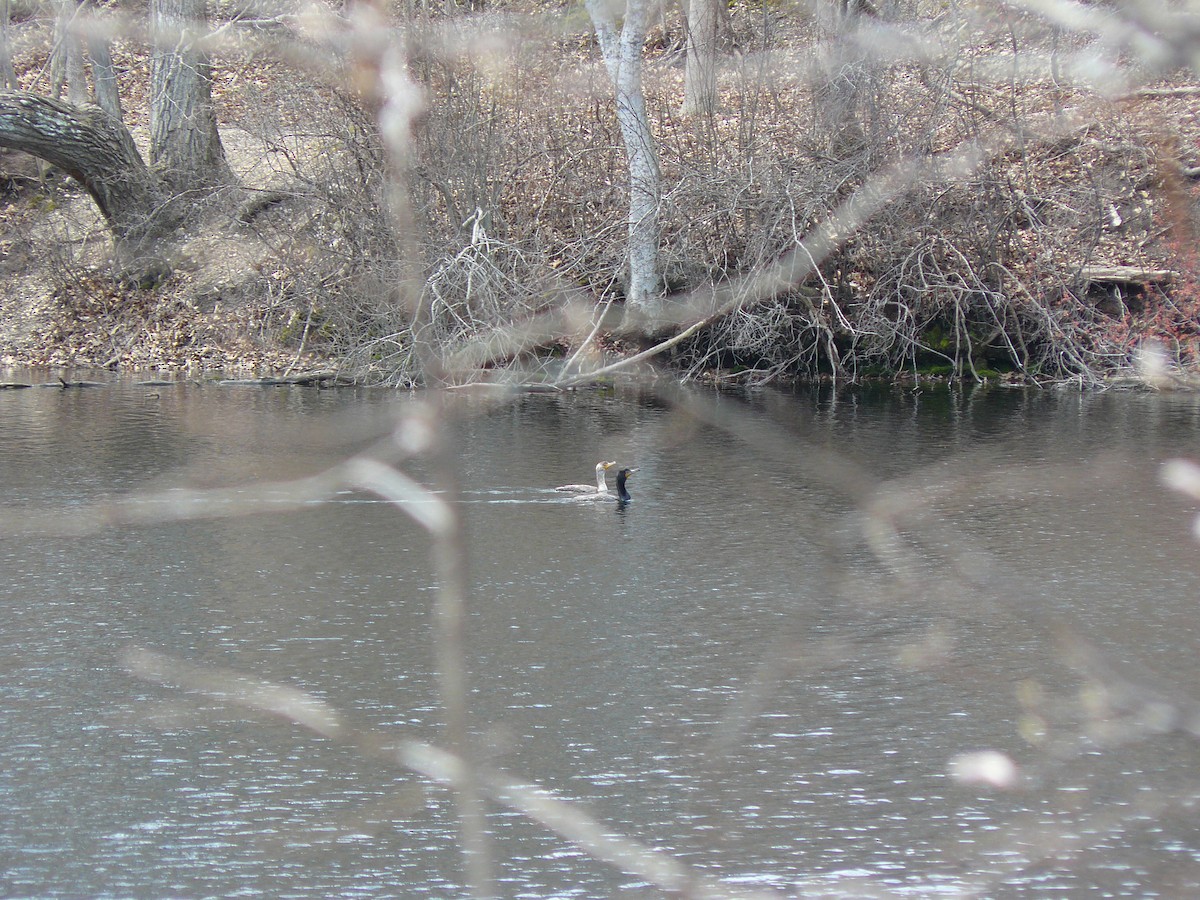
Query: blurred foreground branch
(444, 767)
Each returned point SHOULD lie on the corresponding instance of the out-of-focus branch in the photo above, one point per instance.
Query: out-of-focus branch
(445, 767)
(440, 518)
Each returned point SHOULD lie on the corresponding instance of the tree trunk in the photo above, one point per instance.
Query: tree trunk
(78, 36)
(622, 52)
(842, 77)
(104, 74)
(185, 148)
(66, 61)
(98, 152)
(708, 31)
(7, 73)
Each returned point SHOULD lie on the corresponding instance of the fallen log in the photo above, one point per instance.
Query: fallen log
(1125, 275)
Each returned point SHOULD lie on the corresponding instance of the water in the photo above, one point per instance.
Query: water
(725, 669)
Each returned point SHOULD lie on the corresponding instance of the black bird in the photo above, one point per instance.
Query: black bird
(621, 495)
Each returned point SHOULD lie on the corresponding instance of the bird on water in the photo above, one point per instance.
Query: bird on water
(600, 487)
(622, 494)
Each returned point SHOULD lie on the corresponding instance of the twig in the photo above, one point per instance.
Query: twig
(587, 340)
(566, 819)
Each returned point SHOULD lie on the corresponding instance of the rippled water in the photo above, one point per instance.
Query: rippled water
(724, 669)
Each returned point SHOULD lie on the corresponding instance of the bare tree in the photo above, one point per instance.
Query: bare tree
(79, 35)
(96, 150)
(91, 144)
(185, 148)
(841, 79)
(66, 62)
(104, 74)
(7, 73)
(708, 32)
(622, 52)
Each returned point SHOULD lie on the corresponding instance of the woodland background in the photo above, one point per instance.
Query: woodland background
(750, 192)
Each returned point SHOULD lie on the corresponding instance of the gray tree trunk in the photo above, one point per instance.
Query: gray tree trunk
(185, 148)
(841, 81)
(66, 62)
(622, 52)
(104, 74)
(98, 152)
(708, 32)
(7, 73)
(77, 36)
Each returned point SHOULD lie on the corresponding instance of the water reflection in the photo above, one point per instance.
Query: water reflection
(725, 668)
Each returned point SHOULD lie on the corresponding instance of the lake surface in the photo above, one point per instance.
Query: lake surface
(766, 665)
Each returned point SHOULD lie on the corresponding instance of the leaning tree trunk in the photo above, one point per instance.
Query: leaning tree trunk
(97, 151)
(622, 52)
(185, 148)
